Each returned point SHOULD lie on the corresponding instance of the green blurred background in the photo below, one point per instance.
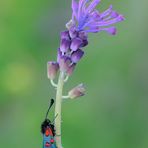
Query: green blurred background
(113, 113)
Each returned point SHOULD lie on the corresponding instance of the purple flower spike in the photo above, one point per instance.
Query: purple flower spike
(86, 18)
(65, 45)
(76, 43)
(77, 55)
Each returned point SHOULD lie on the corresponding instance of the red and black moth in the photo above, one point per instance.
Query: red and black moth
(48, 131)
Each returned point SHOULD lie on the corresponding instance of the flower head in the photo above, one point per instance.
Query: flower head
(85, 17)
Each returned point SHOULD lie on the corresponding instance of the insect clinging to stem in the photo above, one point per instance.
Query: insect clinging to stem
(48, 131)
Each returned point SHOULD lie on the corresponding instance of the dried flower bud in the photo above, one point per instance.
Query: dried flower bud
(52, 69)
(76, 92)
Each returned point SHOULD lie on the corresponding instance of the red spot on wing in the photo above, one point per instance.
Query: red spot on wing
(48, 132)
(52, 140)
(47, 144)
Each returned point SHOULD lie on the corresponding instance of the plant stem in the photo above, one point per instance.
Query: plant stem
(58, 105)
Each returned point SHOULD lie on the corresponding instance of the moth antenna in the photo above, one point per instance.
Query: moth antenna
(51, 103)
(54, 118)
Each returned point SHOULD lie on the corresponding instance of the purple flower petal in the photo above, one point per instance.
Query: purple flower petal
(83, 35)
(75, 6)
(111, 30)
(114, 14)
(92, 5)
(106, 12)
(86, 18)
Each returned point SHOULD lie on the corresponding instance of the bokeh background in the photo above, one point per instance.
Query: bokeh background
(113, 113)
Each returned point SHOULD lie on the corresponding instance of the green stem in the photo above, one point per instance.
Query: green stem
(58, 105)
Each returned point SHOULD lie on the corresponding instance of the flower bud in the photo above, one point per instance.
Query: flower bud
(69, 24)
(71, 69)
(83, 35)
(76, 92)
(84, 43)
(76, 43)
(77, 55)
(64, 63)
(52, 69)
(65, 35)
(65, 44)
(73, 33)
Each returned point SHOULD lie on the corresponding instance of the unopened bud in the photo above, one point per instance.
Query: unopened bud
(76, 43)
(65, 44)
(73, 33)
(65, 35)
(76, 92)
(64, 63)
(69, 24)
(71, 69)
(52, 69)
(83, 35)
(77, 55)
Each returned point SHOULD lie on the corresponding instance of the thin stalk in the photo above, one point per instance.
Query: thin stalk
(58, 104)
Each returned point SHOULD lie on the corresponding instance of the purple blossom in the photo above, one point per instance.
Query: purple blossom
(86, 18)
